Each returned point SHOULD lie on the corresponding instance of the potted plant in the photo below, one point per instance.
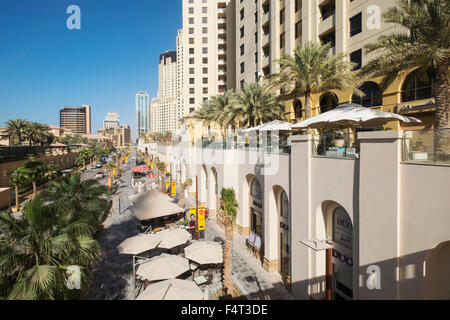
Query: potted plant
(338, 139)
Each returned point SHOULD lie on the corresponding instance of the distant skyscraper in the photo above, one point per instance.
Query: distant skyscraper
(142, 112)
(112, 120)
(77, 119)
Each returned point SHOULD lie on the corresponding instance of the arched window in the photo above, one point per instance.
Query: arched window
(418, 85)
(256, 190)
(373, 96)
(328, 102)
(297, 109)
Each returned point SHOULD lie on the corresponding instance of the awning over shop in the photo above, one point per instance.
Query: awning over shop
(154, 204)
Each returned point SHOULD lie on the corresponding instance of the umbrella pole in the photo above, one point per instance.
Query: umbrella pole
(134, 277)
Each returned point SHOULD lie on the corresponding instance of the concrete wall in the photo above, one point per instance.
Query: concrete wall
(399, 213)
(64, 161)
(4, 198)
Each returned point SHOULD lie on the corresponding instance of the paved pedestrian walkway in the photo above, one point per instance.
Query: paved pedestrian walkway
(255, 282)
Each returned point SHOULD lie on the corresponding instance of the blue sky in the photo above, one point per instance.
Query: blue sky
(45, 66)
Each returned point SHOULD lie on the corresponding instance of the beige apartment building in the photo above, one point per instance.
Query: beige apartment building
(77, 119)
(120, 136)
(208, 50)
(164, 115)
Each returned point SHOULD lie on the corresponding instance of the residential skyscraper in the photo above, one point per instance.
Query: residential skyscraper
(112, 120)
(77, 119)
(208, 49)
(142, 112)
(164, 109)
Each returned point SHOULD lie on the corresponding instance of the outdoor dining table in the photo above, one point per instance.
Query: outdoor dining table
(200, 280)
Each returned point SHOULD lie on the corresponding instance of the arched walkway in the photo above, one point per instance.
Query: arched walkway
(203, 188)
(334, 223)
(373, 96)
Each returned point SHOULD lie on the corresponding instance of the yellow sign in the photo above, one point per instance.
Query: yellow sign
(201, 218)
(165, 171)
(109, 182)
(114, 172)
(151, 166)
(174, 188)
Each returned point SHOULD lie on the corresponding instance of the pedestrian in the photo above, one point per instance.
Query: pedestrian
(206, 213)
(192, 224)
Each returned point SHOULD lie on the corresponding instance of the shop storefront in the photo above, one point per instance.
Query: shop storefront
(256, 208)
(342, 255)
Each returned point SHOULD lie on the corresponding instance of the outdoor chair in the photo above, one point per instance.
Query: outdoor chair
(250, 241)
(257, 246)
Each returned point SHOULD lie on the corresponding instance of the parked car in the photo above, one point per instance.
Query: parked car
(98, 165)
(99, 174)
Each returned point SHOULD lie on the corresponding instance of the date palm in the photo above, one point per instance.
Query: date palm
(79, 200)
(36, 170)
(15, 129)
(36, 132)
(228, 207)
(257, 105)
(18, 177)
(35, 251)
(425, 45)
(311, 70)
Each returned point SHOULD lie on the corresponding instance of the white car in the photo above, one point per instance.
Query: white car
(99, 174)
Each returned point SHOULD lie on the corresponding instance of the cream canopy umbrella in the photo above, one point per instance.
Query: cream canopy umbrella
(204, 252)
(138, 244)
(276, 125)
(352, 115)
(154, 204)
(171, 238)
(252, 129)
(174, 289)
(163, 267)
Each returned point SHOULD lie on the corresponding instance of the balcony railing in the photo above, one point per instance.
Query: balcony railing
(427, 146)
(282, 148)
(336, 145)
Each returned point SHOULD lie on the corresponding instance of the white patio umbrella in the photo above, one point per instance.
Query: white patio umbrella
(204, 252)
(276, 125)
(138, 244)
(163, 267)
(252, 129)
(154, 204)
(174, 289)
(352, 115)
(171, 238)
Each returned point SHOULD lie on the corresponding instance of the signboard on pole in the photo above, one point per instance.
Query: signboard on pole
(192, 214)
(201, 218)
(174, 188)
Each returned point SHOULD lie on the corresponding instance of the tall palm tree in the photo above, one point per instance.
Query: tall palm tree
(257, 105)
(426, 45)
(36, 132)
(312, 70)
(79, 200)
(15, 129)
(18, 177)
(36, 170)
(35, 251)
(228, 207)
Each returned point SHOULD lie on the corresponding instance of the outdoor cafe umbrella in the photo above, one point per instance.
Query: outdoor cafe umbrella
(276, 125)
(154, 204)
(351, 115)
(163, 267)
(171, 238)
(174, 289)
(204, 252)
(138, 244)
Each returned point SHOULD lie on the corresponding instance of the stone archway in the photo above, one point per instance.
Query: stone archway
(203, 188)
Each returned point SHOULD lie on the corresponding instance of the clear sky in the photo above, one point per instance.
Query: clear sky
(45, 66)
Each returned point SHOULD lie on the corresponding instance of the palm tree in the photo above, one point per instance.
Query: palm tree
(79, 200)
(228, 207)
(50, 172)
(36, 170)
(15, 130)
(257, 105)
(311, 70)
(36, 132)
(18, 177)
(185, 185)
(35, 251)
(425, 46)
